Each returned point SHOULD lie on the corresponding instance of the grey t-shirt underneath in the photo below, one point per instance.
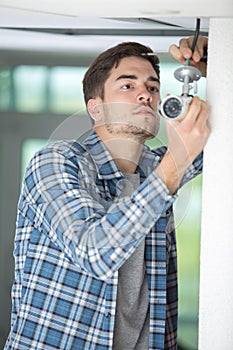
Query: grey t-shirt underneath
(132, 313)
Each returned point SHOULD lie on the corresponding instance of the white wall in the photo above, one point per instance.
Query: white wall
(216, 277)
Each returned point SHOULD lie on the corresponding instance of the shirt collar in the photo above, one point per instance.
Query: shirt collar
(107, 168)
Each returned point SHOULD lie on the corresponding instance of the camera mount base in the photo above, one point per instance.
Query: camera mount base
(187, 74)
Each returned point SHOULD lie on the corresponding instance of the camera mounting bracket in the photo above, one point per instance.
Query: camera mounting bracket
(187, 75)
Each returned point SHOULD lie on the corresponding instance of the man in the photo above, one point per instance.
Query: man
(95, 243)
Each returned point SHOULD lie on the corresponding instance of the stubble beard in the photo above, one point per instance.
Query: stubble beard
(128, 125)
(130, 132)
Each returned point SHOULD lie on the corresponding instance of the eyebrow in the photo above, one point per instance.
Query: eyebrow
(134, 77)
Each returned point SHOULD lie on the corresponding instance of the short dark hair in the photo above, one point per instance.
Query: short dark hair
(99, 71)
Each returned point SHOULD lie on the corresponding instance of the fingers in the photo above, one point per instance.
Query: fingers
(199, 48)
(194, 109)
(202, 119)
(196, 120)
(184, 51)
(197, 112)
(185, 47)
(177, 54)
(192, 112)
(196, 115)
(187, 137)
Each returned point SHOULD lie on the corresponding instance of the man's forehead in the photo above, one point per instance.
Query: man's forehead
(134, 66)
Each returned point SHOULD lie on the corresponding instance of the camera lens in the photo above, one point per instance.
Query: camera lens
(172, 107)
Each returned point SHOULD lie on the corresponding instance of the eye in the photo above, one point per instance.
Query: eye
(153, 89)
(126, 86)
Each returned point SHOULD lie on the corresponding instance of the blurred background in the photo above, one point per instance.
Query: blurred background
(41, 71)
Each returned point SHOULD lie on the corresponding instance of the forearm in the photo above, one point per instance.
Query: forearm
(169, 173)
(173, 179)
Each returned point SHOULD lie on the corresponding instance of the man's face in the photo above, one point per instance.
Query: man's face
(131, 95)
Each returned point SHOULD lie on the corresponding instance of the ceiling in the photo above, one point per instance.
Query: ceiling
(68, 27)
(120, 8)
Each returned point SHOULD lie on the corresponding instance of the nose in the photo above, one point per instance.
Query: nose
(144, 96)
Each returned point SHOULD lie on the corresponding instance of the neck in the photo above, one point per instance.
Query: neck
(125, 151)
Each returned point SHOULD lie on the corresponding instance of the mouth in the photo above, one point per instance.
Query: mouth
(145, 111)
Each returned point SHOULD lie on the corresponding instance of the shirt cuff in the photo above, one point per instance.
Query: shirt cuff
(153, 195)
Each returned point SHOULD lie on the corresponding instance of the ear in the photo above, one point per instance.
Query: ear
(94, 108)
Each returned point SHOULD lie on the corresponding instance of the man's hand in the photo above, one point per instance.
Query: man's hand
(183, 52)
(186, 140)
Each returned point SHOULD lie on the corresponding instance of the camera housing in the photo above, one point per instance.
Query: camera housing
(175, 107)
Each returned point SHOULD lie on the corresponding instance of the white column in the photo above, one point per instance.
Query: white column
(216, 270)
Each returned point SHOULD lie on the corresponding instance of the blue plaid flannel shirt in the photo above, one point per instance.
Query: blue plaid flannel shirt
(74, 233)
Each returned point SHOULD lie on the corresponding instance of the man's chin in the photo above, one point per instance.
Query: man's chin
(131, 131)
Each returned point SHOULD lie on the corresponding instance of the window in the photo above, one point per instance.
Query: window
(30, 89)
(65, 88)
(41, 89)
(5, 89)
